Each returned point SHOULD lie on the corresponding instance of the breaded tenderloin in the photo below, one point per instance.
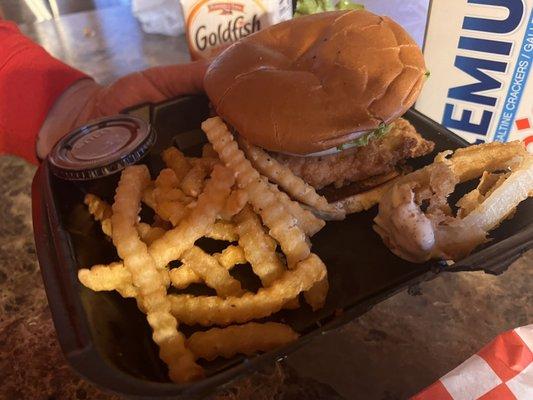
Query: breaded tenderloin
(378, 157)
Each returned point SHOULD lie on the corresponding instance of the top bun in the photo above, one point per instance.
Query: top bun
(308, 84)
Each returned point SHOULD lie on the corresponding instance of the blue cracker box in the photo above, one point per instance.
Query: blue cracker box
(479, 55)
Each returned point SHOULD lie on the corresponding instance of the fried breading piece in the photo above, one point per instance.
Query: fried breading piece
(418, 234)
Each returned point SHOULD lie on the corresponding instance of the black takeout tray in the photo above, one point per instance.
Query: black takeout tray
(107, 340)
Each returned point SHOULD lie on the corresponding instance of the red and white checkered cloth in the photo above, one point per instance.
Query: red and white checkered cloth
(502, 370)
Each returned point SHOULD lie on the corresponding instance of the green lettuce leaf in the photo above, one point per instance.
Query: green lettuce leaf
(366, 138)
(348, 5)
(306, 7)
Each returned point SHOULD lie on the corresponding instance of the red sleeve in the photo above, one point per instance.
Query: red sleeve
(30, 82)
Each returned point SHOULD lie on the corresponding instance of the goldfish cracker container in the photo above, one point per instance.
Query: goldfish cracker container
(212, 25)
(479, 55)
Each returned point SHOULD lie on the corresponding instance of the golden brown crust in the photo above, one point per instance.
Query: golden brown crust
(378, 157)
(307, 84)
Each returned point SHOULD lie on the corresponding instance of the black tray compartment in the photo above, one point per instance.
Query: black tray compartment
(107, 340)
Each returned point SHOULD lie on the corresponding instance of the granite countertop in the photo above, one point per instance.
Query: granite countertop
(397, 348)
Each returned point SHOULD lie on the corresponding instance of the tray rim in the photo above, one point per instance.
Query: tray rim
(82, 355)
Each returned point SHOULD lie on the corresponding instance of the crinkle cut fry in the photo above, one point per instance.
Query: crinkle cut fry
(172, 194)
(166, 199)
(175, 160)
(231, 256)
(146, 277)
(101, 211)
(184, 275)
(259, 248)
(192, 183)
(211, 272)
(116, 277)
(222, 230)
(283, 176)
(366, 200)
(167, 179)
(173, 243)
(245, 339)
(175, 210)
(307, 221)
(213, 310)
(283, 226)
(235, 203)
(108, 277)
(98, 208)
(208, 151)
(149, 233)
(172, 211)
(148, 197)
(316, 296)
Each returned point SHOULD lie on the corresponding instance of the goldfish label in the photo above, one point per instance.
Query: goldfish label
(480, 54)
(212, 25)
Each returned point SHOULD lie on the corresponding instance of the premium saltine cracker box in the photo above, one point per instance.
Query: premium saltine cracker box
(479, 55)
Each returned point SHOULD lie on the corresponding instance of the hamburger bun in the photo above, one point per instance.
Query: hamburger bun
(316, 82)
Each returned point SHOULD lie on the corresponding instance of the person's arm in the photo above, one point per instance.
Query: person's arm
(42, 99)
(86, 100)
(31, 81)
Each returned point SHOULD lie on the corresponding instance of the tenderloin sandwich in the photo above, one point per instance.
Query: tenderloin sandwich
(324, 95)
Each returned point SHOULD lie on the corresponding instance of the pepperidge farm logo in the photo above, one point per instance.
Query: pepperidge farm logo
(225, 8)
(480, 54)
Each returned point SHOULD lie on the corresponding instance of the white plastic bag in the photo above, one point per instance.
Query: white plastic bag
(411, 14)
(159, 16)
